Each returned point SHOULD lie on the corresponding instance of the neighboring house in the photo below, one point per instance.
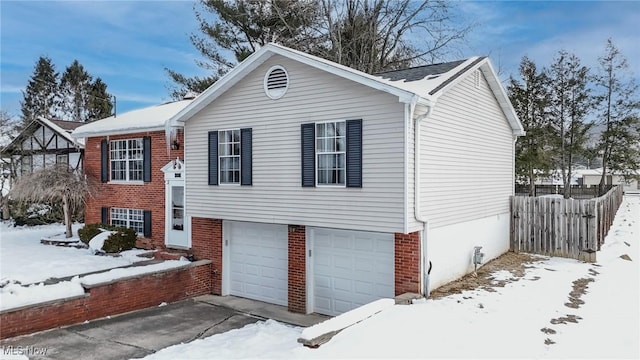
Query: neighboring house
(43, 143)
(305, 186)
(592, 177)
(137, 169)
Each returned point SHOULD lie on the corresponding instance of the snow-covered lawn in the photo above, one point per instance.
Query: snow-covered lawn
(538, 316)
(25, 261)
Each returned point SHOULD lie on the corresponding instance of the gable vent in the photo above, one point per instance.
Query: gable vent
(276, 82)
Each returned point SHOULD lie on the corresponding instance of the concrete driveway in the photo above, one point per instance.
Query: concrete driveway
(140, 333)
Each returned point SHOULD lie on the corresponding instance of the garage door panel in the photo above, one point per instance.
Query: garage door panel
(351, 268)
(258, 261)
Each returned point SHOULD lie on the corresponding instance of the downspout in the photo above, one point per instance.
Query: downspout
(425, 265)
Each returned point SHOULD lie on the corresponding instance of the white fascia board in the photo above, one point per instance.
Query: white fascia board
(262, 55)
(502, 97)
(496, 88)
(219, 87)
(89, 134)
(342, 71)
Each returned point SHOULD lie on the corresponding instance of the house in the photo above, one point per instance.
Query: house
(137, 169)
(592, 177)
(44, 142)
(321, 188)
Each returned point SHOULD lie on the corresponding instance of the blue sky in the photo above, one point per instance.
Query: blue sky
(129, 43)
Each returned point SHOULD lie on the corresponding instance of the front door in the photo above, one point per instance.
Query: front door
(177, 236)
(176, 233)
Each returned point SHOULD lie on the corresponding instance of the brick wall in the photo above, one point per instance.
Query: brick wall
(297, 269)
(407, 263)
(149, 196)
(206, 243)
(110, 299)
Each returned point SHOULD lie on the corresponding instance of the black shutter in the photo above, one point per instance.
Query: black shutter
(104, 160)
(105, 215)
(354, 153)
(147, 223)
(213, 158)
(308, 151)
(146, 162)
(245, 157)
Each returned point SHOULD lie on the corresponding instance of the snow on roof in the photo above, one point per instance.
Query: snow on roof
(146, 119)
(55, 126)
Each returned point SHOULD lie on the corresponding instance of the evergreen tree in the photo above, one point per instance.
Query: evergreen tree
(530, 99)
(368, 35)
(618, 104)
(40, 96)
(99, 103)
(74, 89)
(570, 103)
(240, 28)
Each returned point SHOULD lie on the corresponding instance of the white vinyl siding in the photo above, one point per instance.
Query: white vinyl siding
(276, 195)
(466, 156)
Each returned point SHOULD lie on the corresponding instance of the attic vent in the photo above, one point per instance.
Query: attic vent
(276, 82)
(477, 78)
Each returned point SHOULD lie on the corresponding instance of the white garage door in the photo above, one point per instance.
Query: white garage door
(258, 261)
(350, 269)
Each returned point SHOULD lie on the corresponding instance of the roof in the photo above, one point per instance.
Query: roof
(67, 125)
(57, 126)
(151, 118)
(419, 72)
(409, 85)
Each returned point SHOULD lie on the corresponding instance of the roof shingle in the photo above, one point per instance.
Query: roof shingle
(419, 72)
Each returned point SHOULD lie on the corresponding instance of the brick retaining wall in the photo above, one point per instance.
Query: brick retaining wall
(112, 298)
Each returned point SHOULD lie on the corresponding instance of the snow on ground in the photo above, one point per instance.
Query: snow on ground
(23, 258)
(14, 295)
(25, 261)
(526, 318)
(115, 274)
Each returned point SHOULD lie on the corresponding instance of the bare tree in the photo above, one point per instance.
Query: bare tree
(53, 184)
(367, 35)
(380, 35)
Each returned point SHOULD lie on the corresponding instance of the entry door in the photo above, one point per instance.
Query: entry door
(177, 235)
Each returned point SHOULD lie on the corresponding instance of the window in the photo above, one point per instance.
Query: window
(26, 164)
(129, 218)
(62, 159)
(229, 156)
(127, 160)
(331, 153)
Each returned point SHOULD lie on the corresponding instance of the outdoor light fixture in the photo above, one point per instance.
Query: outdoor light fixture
(175, 145)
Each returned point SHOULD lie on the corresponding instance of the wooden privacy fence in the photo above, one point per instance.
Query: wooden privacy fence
(562, 227)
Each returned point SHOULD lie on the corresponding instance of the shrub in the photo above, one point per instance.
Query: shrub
(30, 213)
(122, 239)
(87, 232)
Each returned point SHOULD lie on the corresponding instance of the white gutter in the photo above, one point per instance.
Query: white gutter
(425, 267)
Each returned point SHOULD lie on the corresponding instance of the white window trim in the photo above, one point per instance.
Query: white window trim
(333, 186)
(126, 181)
(128, 220)
(220, 183)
